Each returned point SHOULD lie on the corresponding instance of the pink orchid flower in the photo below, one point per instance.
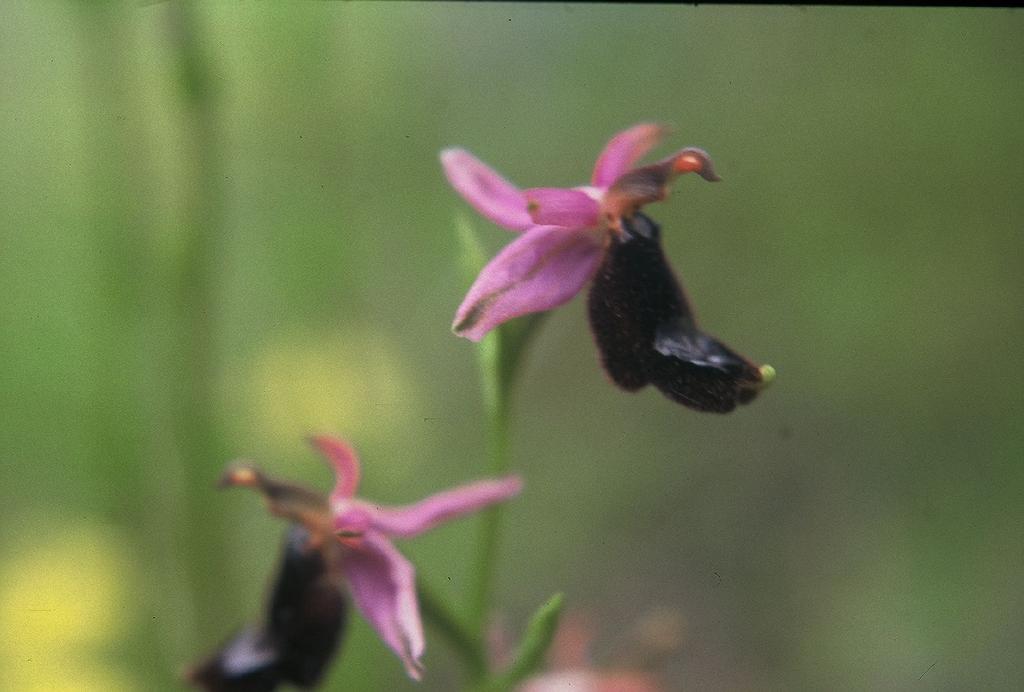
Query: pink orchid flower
(565, 232)
(381, 580)
(643, 325)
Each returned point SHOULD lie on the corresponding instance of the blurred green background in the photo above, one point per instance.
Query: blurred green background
(224, 226)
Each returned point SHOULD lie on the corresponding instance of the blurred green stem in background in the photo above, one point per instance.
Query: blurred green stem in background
(191, 346)
(154, 401)
(117, 178)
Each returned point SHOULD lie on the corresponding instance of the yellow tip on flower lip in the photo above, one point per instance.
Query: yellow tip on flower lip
(767, 375)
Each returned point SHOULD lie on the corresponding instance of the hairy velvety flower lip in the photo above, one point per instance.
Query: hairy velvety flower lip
(299, 636)
(646, 331)
(641, 320)
(381, 580)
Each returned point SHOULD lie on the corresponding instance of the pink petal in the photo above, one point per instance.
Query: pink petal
(624, 150)
(345, 463)
(383, 587)
(556, 206)
(488, 193)
(539, 270)
(445, 506)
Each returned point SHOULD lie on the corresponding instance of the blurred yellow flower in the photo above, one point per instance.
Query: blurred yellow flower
(348, 382)
(64, 602)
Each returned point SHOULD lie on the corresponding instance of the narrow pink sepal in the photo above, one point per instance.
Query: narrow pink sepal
(624, 150)
(541, 269)
(485, 190)
(345, 462)
(424, 515)
(556, 206)
(383, 586)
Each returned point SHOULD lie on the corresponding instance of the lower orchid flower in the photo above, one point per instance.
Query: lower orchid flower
(300, 634)
(641, 320)
(357, 535)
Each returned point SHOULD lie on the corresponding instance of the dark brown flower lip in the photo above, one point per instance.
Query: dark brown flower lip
(647, 334)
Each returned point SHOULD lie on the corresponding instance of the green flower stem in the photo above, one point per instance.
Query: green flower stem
(499, 356)
(496, 407)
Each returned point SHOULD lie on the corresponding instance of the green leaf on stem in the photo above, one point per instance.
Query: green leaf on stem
(534, 645)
